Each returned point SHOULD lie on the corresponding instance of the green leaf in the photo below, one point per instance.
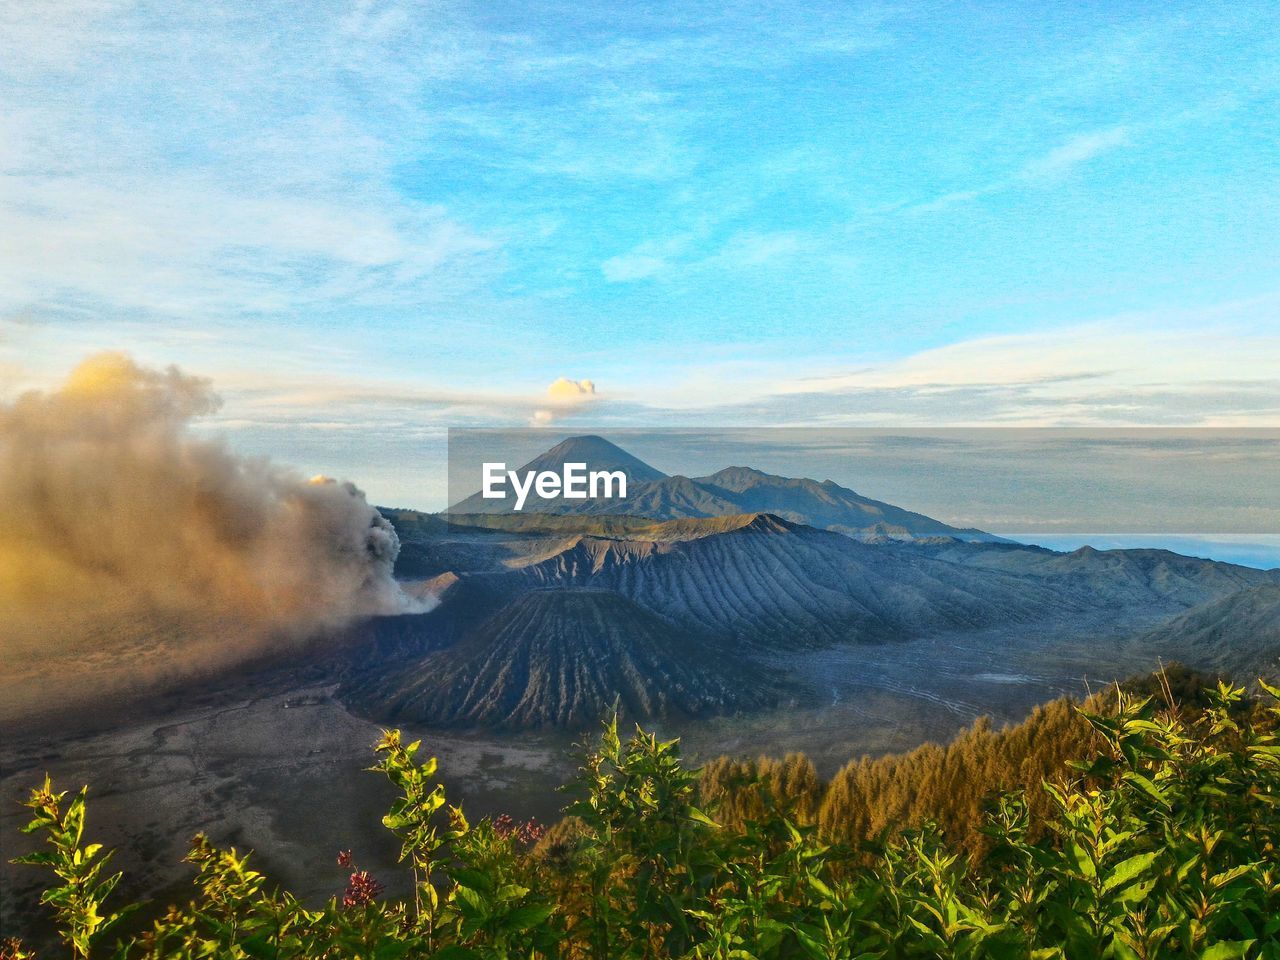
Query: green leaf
(1128, 871)
(511, 891)
(1147, 787)
(1227, 950)
(696, 815)
(531, 915)
(473, 878)
(38, 859)
(472, 902)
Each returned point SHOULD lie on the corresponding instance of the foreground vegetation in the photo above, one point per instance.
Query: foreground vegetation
(1159, 841)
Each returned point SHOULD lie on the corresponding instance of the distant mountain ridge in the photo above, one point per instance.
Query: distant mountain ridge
(1126, 576)
(760, 579)
(1238, 633)
(733, 490)
(675, 616)
(693, 595)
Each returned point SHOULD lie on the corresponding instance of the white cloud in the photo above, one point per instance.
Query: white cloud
(189, 246)
(648, 259)
(753, 249)
(745, 249)
(1205, 367)
(198, 165)
(1075, 151)
(53, 34)
(1138, 355)
(629, 267)
(1045, 169)
(1194, 366)
(565, 390)
(565, 397)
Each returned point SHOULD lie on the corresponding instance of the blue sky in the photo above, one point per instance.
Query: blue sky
(368, 222)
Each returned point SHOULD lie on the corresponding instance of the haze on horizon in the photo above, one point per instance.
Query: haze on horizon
(369, 222)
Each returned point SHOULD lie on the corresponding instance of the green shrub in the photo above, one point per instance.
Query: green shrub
(1160, 842)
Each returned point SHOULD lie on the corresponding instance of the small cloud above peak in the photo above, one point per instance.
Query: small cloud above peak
(563, 388)
(564, 395)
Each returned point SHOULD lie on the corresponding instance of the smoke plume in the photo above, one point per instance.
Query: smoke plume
(130, 543)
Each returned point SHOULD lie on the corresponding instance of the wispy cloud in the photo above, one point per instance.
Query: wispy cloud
(1043, 169)
(1177, 366)
(189, 186)
(1074, 152)
(687, 256)
(648, 259)
(192, 246)
(258, 163)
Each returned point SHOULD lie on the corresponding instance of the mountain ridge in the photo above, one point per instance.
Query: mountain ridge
(738, 571)
(655, 495)
(1237, 633)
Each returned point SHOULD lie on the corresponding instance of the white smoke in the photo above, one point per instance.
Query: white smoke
(121, 530)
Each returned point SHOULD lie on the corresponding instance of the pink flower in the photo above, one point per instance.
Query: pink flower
(362, 890)
(528, 832)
